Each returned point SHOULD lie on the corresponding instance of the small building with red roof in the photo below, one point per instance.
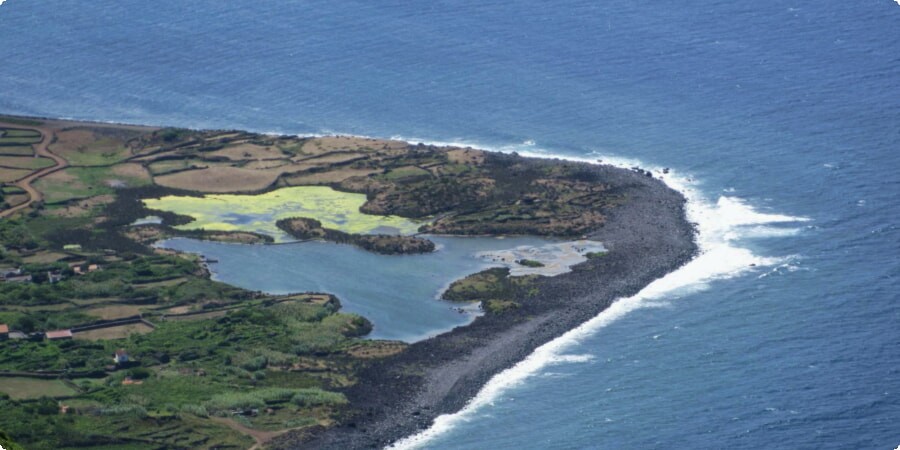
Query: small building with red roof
(59, 334)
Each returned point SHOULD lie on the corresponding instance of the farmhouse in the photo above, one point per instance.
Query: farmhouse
(59, 334)
(6, 272)
(120, 356)
(18, 279)
(77, 268)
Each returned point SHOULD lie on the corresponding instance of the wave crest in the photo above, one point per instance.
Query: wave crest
(720, 227)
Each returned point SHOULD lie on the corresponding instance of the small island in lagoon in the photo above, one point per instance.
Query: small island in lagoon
(90, 276)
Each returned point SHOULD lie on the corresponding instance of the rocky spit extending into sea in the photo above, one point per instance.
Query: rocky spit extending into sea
(646, 237)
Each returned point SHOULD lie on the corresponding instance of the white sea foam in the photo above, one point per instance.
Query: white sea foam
(720, 225)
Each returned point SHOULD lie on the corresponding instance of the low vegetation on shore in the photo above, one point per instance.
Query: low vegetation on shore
(110, 342)
(386, 244)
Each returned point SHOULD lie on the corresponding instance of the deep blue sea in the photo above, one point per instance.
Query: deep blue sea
(768, 112)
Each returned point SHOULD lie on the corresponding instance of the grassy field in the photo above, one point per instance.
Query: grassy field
(258, 213)
(17, 150)
(83, 182)
(44, 257)
(114, 311)
(19, 388)
(406, 172)
(10, 132)
(13, 140)
(85, 147)
(25, 162)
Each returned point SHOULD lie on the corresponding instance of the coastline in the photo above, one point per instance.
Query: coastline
(647, 237)
(402, 396)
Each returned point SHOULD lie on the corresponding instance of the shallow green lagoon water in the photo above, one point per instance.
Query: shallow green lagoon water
(258, 213)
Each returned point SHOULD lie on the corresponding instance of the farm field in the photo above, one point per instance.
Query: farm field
(117, 332)
(25, 162)
(20, 388)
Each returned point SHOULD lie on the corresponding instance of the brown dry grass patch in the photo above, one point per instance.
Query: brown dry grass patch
(328, 144)
(334, 176)
(242, 152)
(267, 164)
(220, 179)
(119, 332)
(114, 311)
(179, 309)
(131, 170)
(16, 199)
(10, 175)
(377, 349)
(145, 233)
(466, 156)
(44, 258)
(331, 158)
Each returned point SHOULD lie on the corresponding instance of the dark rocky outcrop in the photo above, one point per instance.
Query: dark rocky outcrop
(305, 228)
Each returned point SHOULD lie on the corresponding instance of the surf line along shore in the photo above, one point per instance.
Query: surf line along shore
(646, 238)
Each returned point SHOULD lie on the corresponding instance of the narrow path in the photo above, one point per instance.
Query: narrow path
(40, 149)
(261, 437)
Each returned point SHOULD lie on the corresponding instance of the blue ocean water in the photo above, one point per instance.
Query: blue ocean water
(766, 107)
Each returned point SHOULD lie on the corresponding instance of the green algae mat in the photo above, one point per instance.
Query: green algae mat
(258, 213)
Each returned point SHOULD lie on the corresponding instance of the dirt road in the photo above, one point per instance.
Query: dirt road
(261, 437)
(41, 149)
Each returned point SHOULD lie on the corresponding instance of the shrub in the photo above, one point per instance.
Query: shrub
(139, 373)
(259, 398)
(197, 410)
(124, 410)
(317, 397)
(530, 263)
(254, 364)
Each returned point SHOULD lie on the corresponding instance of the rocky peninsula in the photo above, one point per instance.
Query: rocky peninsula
(207, 364)
(646, 237)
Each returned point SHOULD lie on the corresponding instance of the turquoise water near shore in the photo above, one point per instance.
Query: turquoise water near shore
(772, 106)
(399, 294)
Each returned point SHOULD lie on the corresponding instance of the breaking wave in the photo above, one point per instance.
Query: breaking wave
(720, 225)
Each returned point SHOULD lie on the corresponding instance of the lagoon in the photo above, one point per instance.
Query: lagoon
(399, 294)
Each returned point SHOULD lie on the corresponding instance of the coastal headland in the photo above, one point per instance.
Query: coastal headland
(112, 341)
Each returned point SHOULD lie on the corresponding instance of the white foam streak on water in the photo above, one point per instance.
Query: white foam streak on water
(720, 225)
